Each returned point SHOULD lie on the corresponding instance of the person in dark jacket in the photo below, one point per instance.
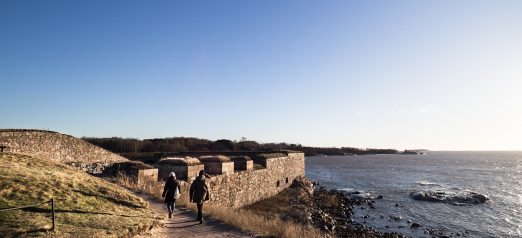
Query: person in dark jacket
(199, 193)
(169, 193)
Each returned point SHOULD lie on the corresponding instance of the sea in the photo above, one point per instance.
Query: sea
(498, 175)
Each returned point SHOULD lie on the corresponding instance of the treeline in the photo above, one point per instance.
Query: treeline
(184, 144)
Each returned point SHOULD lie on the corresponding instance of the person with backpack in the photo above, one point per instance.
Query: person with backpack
(199, 193)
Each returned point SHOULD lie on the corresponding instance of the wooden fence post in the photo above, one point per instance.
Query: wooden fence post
(52, 207)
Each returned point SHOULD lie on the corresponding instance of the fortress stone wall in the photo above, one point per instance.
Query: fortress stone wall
(58, 147)
(246, 187)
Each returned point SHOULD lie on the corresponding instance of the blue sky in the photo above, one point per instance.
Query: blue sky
(442, 75)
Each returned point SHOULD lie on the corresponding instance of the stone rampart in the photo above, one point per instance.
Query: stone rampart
(246, 187)
(58, 147)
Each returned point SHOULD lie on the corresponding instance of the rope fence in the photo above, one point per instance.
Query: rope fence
(52, 202)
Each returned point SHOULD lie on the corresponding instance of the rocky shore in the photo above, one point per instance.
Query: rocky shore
(351, 201)
(329, 210)
(333, 211)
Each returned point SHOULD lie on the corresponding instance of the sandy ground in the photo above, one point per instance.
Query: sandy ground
(183, 224)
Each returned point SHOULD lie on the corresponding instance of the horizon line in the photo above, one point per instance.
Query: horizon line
(261, 142)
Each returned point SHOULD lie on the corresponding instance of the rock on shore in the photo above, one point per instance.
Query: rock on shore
(460, 199)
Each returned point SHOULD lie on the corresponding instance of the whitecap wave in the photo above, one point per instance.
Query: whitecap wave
(361, 195)
(345, 189)
(429, 183)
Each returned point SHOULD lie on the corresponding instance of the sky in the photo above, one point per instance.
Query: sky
(440, 75)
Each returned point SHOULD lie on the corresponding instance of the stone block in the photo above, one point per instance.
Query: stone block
(242, 163)
(184, 172)
(147, 175)
(219, 168)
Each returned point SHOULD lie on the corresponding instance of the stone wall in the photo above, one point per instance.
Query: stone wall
(247, 187)
(92, 168)
(58, 147)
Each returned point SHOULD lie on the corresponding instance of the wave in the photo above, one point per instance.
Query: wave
(428, 183)
(355, 193)
(344, 189)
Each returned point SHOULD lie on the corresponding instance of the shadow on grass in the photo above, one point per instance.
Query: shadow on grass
(32, 232)
(111, 199)
(48, 210)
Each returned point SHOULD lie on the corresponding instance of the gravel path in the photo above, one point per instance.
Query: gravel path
(183, 224)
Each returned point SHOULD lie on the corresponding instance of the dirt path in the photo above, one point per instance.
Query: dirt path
(183, 224)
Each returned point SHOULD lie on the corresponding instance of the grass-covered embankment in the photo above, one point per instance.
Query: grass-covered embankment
(86, 206)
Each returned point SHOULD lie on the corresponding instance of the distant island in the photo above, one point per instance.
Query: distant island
(183, 144)
(415, 152)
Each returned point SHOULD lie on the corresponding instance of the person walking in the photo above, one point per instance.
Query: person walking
(171, 192)
(199, 193)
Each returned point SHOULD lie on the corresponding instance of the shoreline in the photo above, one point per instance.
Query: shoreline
(359, 201)
(311, 205)
(334, 212)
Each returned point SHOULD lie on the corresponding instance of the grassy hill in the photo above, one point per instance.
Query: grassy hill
(86, 206)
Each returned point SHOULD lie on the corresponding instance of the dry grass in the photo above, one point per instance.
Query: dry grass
(153, 188)
(249, 221)
(214, 158)
(290, 206)
(180, 161)
(85, 205)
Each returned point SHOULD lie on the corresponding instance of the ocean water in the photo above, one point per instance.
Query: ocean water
(497, 175)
